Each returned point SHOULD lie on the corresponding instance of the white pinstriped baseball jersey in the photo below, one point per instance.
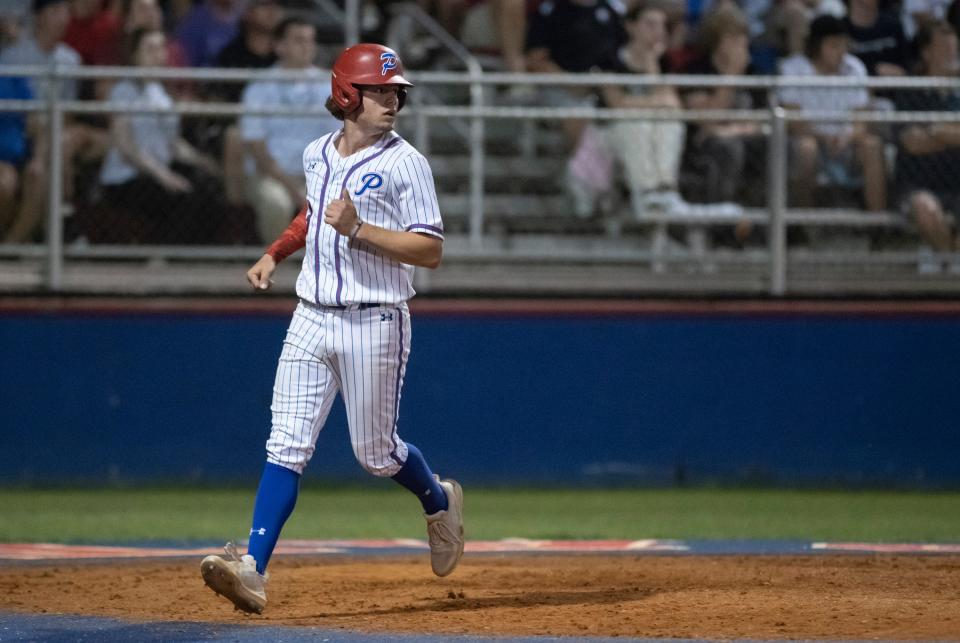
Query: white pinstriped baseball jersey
(333, 344)
(391, 186)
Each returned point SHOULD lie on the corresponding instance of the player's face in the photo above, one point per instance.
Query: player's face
(379, 107)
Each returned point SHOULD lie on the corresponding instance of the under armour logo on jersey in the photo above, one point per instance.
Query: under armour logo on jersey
(389, 62)
(312, 165)
(386, 317)
(260, 532)
(369, 181)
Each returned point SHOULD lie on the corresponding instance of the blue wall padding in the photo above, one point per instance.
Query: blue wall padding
(574, 400)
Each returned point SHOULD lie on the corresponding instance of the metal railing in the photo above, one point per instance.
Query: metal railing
(777, 216)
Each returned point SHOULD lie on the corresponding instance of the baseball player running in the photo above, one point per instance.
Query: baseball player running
(371, 216)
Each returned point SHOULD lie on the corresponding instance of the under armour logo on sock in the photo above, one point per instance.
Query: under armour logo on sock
(427, 493)
(260, 532)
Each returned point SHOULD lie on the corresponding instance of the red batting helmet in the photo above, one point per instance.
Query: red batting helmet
(365, 64)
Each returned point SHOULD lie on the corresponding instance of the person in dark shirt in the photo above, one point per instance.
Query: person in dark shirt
(252, 48)
(929, 153)
(93, 27)
(719, 152)
(876, 37)
(953, 16)
(207, 29)
(574, 36)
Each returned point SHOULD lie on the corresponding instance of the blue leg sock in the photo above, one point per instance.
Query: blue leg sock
(276, 498)
(416, 476)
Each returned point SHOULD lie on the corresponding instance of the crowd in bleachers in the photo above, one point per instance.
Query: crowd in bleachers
(239, 181)
(832, 164)
(150, 176)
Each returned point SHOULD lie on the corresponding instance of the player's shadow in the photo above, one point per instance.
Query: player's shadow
(462, 602)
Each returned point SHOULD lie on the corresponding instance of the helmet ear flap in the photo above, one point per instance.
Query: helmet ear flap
(351, 98)
(345, 95)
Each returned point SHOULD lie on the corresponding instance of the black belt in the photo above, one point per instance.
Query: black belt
(363, 306)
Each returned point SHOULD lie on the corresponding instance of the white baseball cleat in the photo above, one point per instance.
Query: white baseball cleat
(236, 578)
(445, 531)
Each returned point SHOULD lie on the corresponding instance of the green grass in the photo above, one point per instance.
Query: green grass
(116, 515)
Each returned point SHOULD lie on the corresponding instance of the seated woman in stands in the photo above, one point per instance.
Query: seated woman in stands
(648, 151)
(163, 189)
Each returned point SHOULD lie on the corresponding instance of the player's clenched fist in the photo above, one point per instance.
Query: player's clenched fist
(341, 214)
(259, 274)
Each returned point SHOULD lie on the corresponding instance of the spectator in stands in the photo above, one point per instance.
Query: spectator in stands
(835, 149)
(648, 151)
(252, 48)
(136, 15)
(928, 158)
(719, 153)
(788, 22)
(207, 29)
(686, 19)
(509, 22)
(92, 30)
(43, 46)
(680, 26)
(877, 38)
(573, 36)
(275, 187)
(11, 24)
(153, 176)
(22, 167)
(147, 14)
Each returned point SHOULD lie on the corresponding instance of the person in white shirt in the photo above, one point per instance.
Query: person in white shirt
(838, 149)
(42, 46)
(139, 176)
(276, 188)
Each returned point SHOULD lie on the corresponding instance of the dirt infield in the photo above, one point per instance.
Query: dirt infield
(707, 597)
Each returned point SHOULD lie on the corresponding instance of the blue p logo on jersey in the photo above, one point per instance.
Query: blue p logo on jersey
(389, 62)
(369, 181)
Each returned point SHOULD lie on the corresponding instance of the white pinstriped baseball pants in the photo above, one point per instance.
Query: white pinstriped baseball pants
(360, 353)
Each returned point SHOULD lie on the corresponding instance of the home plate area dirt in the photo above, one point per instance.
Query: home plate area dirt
(840, 596)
